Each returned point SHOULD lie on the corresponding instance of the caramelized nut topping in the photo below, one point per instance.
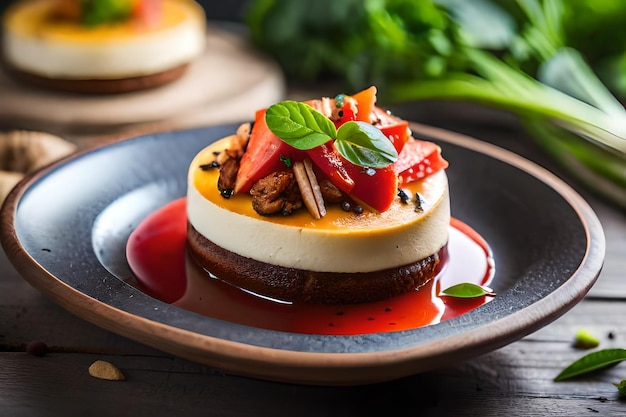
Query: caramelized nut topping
(237, 145)
(330, 192)
(228, 177)
(276, 193)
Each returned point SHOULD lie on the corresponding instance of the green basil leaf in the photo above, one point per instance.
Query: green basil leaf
(365, 145)
(592, 362)
(299, 124)
(467, 290)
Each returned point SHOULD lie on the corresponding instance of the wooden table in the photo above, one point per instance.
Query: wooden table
(516, 380)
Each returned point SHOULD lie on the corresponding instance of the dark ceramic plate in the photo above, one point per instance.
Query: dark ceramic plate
(65, 230)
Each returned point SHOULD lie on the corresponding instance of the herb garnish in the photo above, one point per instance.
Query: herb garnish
(595, 361)
(592, 362)
(304, 128)
(285, 160)
(467, 290)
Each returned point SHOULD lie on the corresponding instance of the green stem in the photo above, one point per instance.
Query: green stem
(501, 86)
(601, 171)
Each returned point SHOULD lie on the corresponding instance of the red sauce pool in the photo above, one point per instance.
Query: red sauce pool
(157, 256)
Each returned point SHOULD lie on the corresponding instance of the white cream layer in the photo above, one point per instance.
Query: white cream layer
(129, 56)
(327, 249)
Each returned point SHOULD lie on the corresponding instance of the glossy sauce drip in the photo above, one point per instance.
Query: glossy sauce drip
(156, 254)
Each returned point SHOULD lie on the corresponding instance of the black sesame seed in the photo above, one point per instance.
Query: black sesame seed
(405, 195)
(227, 193)
(211, 165)
(340, 113)
(358, 209)
(346, 206)
(419, 203)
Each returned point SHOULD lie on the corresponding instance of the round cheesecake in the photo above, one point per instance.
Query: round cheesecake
(342, 258)
(110, 58)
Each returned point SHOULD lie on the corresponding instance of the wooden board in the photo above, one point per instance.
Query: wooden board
(227, 83)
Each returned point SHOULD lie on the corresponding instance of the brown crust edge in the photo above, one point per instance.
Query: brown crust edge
(297, 285)
(98, 86)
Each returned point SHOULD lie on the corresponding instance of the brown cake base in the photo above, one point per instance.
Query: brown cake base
(98, 86)
(297, 285)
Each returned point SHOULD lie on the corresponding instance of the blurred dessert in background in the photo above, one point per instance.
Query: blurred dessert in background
(101, 46)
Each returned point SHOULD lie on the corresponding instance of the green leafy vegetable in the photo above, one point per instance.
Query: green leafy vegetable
(592, 362)
(364, 42)
(303, 127)
(467, 290)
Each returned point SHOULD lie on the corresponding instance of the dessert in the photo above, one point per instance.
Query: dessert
(99, 46)
(309, 224)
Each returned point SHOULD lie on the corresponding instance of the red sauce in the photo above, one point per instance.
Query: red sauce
(156, 254)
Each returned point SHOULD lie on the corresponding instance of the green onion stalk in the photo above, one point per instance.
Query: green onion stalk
(566, 108)
(588, 141)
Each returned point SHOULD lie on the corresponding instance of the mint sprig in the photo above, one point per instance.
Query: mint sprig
(304, 128)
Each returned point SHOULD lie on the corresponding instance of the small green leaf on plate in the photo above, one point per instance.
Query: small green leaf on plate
(467, 290)
(592, 362)
(299, 124)
(585, 340)
(365, 145)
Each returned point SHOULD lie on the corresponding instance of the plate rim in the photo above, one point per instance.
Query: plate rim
(321, 368)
